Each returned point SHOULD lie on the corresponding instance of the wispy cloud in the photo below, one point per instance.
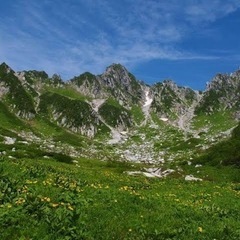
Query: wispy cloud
(70, 37)
(210, 10)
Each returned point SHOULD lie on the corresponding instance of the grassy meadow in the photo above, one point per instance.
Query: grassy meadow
(46, 199)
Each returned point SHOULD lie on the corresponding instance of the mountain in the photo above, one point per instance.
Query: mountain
(149, 123)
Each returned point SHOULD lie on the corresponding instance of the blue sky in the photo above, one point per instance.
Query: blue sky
(188, 41)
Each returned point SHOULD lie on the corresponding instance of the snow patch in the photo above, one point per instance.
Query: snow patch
(146, 106)
(148, 100)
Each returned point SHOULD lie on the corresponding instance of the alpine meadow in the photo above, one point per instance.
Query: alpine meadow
(120, 120)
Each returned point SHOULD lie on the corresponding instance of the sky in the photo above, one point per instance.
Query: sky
(188, 41)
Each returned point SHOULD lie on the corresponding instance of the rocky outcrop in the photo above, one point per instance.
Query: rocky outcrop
(89, 85)
(222, 93)
(3, 89)
(75, 115)
(173, 103)
(122, 85)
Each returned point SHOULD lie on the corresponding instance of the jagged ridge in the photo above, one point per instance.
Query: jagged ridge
(29, 93)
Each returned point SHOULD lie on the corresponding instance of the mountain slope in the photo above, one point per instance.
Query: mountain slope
(14, 94)
(224, 153)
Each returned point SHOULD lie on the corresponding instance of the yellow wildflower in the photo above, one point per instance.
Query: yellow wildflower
(54, 205)
(70, 208)
(20, 201)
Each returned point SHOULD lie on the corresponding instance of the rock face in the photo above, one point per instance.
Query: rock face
(89, 85)
(115, 82)
(122, 85)
(171, 101)
(89, 104)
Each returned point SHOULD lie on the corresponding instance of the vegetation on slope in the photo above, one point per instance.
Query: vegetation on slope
(86, 77)
(225, 152)
(66, 91)
(114, 114)
(71, 112)
(16, 95)
(8, 119)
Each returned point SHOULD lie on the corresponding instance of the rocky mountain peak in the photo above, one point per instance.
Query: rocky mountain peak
(224, 81)
(89, 85)
(218, 81)
(221, 93)
(83, 78)
(40, 75)
(117, 74)
(56, 79)
(169, 82)
(116, 67)
(5, 68)
(236, 73)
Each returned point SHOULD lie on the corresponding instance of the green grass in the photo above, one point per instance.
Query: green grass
(223, 153)
(8, 119)
(45, 199)
(219, 121)
(44, 126)
(114, 114)
(137, 114)
(67, 91)
(73, 112)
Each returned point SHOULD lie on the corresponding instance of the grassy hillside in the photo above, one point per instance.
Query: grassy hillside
(71, 113)
(8, 119)
(114, 114)
(66, 91)
(225, 152)
(45, 199)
